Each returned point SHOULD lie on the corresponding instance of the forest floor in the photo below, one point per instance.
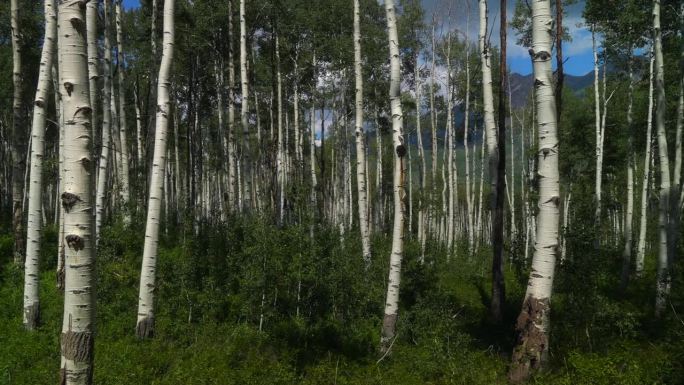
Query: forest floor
(322, 314)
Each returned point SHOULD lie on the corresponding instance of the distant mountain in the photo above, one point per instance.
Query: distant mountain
(521, 86)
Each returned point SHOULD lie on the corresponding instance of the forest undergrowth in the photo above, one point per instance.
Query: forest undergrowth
(320, 312)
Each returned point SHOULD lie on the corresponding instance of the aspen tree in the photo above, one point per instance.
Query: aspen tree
(78, 325)
(532, 326)
(106, 124)
(18, 147)
(35, 210)
(280, 155)
(599, 132)
(389, 322)
(663, 273)
(470, 191)
(231, 133)
(643, 220)
(433, 112)
(125, 192)
(244, 97)
(421, 155)
(629, 215)
(360, 139)
(488, 100)
(145, 324)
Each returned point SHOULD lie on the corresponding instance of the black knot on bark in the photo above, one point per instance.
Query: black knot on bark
(69, 200)
(538, 83)
(401, 150)
(74, 241)
(69, 87)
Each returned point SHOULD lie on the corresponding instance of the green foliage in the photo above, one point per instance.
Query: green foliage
(210, 290)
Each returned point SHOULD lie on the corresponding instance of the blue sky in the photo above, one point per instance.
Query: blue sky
(577, 53)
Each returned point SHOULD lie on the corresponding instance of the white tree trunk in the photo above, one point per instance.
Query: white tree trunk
(78, 325)
(106, 125)
(389, 322)
(466, 131)
(599, 132)
(35, 211)
(244, 97)
(663, 275)
(629, 215)
(125, 191)
(449, 163)
(423, 169)
(533, 323)
(433, 112)
(488, 102)
(360, 140)
(280, 155)
(18, 147)
(643, 220)
(145, 325)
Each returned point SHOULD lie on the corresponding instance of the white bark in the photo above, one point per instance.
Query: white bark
(466, 128)
(360, 140)
(449, 163)
(534, 318)
(663, 274)
(18, 147)
(78, 323)
(599, 132)
(244, 96)
(629, 214)
(125, 192)
(433, 112)
(488, 98)
(106, 123)
(145, 324)
(280, 155)
(35, 211)
(643, 220)
(392, 300)
(423, 169)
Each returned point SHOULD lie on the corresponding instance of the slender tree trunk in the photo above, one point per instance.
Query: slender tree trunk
(488, 106)
(498, 285)
(106, 125)
(449, 161)
(231, 132)
(629, 215)
(532, 327)
(599, 132)
(423, 169)
(360, 140)
(18, 149)
(466, 146)
(280, 155)
(643, 220)
(244, 109)
(664, 260)
(145, 325)
(125, 190)
(389, 322)
(35, 211)
(78, 326)
(433, 112)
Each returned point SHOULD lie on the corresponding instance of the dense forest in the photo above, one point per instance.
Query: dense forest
(341, 192)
